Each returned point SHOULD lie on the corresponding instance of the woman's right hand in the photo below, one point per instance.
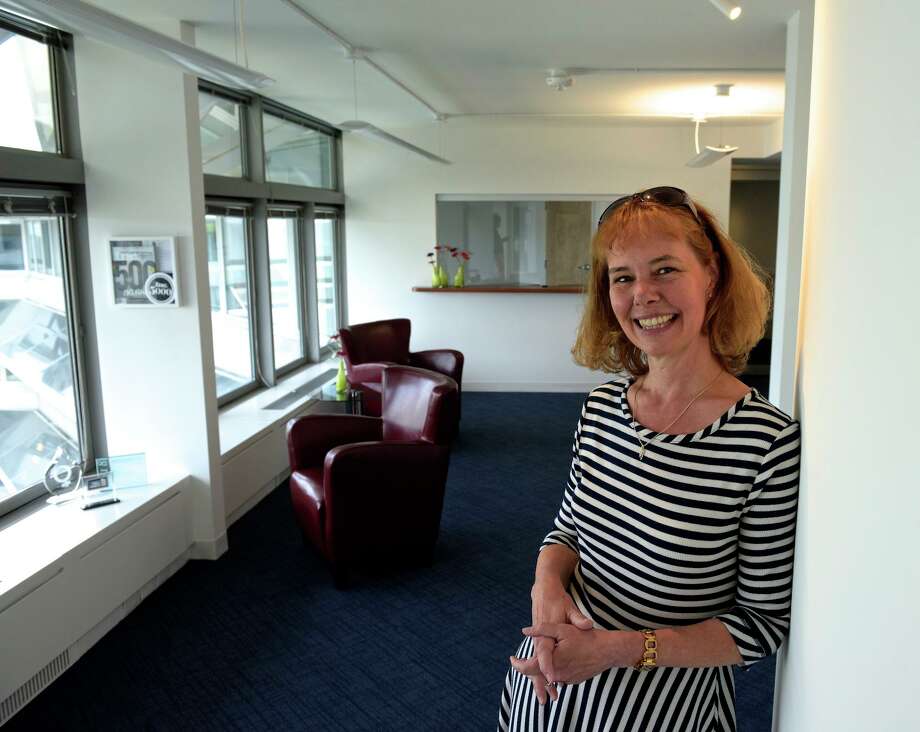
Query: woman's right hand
(551, 604)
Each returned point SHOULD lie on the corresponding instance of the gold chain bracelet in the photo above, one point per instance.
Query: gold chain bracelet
(650, 654)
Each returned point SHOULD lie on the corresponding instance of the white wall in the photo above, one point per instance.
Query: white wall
(511, 341)
(141, 151)
(851, 660)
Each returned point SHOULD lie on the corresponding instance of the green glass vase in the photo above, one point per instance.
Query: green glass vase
(442, 277)
(458, 278)
(341, 382)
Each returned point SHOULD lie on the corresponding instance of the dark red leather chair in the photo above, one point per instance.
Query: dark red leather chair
(368, 347)
(374, 486)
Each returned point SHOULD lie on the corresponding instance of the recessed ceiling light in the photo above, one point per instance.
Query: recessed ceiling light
(730, 10)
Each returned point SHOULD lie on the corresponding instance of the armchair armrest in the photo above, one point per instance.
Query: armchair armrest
(311, 437)
(444, 360)
(371, 372)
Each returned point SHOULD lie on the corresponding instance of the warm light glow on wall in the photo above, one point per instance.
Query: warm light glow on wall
(700, 100)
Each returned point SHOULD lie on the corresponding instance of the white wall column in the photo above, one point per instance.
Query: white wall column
(791, 219)
(141, 148)
(852, 649)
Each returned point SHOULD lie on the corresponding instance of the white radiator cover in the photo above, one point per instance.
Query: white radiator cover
(77, 599)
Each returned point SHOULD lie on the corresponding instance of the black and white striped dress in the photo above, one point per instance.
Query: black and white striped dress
(703, 527)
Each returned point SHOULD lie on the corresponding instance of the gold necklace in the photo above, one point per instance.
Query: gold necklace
(645, 443)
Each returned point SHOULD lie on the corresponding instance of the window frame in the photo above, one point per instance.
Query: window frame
(338, 249)
(274, 109)
(300, 267)
(75, 331)
(64, 167)
(218, 207)
(243, 101)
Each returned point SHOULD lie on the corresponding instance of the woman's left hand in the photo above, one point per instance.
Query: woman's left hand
(581, 654)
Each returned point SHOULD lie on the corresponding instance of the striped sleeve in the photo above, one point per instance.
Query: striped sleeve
(564, 530)
(759, 620)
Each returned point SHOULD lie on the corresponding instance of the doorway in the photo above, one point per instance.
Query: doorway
(753, 214)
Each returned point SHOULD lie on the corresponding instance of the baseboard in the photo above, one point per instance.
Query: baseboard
(211, 549)
(579, 387)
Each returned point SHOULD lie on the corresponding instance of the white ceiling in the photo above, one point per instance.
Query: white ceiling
(491, 57)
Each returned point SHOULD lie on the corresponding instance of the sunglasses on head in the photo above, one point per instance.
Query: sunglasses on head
(666, 196)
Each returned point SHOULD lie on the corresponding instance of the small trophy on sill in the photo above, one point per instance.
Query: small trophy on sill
(63, 477)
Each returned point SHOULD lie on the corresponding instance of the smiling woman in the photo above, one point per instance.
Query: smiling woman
(670, 559)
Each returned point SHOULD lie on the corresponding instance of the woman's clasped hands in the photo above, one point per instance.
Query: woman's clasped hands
(567, 647)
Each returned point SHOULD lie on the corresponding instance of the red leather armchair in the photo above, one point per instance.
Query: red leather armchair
(370, 486)
(368, 347)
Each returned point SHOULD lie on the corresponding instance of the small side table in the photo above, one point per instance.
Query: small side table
(332, 402)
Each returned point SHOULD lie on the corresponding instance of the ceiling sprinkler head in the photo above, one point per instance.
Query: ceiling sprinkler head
(723, 90)
(559, 80)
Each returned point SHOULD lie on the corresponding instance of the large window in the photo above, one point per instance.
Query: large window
(28, 117)
(275, 268)
(43, 409)
(228, 277)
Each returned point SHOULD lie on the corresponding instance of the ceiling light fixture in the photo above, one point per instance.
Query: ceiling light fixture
(729, 9)
(82, 19)
(709, 154)
(361, 127)
(367, 129)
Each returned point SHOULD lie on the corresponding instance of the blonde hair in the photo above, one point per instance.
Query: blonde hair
(736, 315)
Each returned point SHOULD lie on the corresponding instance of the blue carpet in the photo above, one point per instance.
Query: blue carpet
(260, 640)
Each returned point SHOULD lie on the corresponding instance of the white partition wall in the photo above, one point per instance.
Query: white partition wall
(513, 342)
(851, 661)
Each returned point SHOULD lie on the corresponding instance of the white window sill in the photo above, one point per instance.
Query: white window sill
(246, 421)
(37, 539)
